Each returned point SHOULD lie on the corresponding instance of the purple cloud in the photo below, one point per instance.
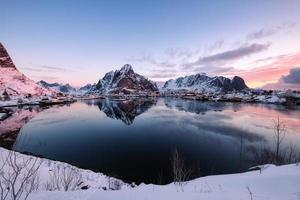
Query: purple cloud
(228, 56)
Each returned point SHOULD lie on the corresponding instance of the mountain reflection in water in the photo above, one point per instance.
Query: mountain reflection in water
(125, 110)
(16, 119)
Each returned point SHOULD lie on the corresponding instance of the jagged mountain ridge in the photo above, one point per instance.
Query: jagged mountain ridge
(125, 81)
(13, 82)
(204, 83)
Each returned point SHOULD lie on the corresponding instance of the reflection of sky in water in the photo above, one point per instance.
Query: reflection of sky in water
(134, 141)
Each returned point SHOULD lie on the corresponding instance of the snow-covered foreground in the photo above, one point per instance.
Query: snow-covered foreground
(282, 183)
(47, 174)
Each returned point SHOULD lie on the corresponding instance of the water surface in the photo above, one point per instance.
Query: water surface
(135, 140)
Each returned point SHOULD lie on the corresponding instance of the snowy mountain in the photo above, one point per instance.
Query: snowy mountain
(13, 82)
(86, 88)
(124, 81)
(64, 88)
(204, 83)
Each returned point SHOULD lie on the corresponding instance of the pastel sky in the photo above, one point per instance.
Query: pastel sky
(77, 42)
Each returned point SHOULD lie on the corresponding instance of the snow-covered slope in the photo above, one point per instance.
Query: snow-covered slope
(269, 183)
(13, 82)
(272, 183)
(204, 83)
(124, 80)
(88, 179)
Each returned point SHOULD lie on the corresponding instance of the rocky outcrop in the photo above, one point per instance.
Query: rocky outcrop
(5, 60)
(238, 83)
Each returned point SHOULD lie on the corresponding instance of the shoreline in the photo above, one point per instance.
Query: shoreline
(125, 98)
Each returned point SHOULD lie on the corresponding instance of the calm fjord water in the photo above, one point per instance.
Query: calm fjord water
(135, 140)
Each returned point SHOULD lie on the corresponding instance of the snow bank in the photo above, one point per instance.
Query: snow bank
(273, 183)
(89, 179)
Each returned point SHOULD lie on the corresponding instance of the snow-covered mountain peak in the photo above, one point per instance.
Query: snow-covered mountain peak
(124, 80)
(127, 68)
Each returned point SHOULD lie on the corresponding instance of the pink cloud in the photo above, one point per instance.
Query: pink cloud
(271, 73)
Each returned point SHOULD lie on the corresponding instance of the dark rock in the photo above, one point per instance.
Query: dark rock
(85, 187)
(5, 60)
(238, 83)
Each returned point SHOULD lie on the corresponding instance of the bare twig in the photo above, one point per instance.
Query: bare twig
(180, 173)
(18, 176)
(250, 193)
(279, 134)
(64, 178)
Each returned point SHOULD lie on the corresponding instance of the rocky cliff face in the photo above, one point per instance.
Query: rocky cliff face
(204, 83)
(238, 83)
(124, 81)
(5, 60)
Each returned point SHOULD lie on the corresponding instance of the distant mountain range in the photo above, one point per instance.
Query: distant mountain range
(66, 88)
(204, 83)
(126, 81)
(123, 81)
(13, 82)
